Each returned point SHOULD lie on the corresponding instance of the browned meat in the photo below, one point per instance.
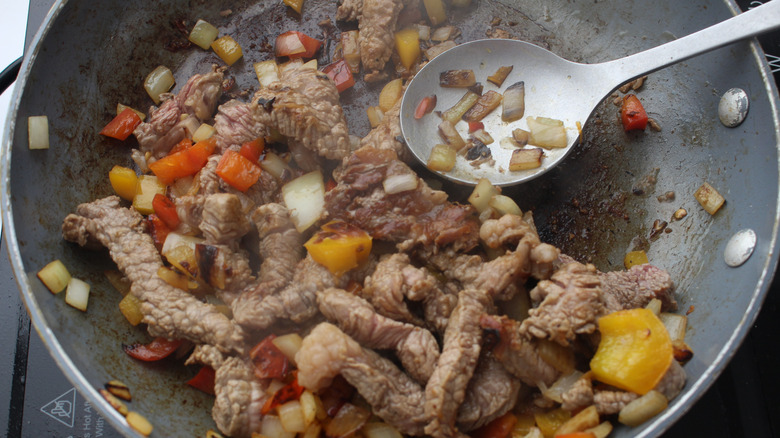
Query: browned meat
(517, 353)
(418, 217)
(446, 388)
(281, 246)
(327, 352)
(569, 304)
(509, 231)
(205, 354)
(304, 106)
(168, 311)
(239, 398)
(492, 392)
(387, 135)
(200, 94)
(223, 221)
(386, 288)
(235, 124)
(376, 38)
(349, 10)
(636, 287)
(415, 347)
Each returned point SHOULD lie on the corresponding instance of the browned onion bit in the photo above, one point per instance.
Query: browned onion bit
(457, 78)
(524, 159)
(514, 102)
(119, 389)
(484, 105)
(500, 75)
(114, 402)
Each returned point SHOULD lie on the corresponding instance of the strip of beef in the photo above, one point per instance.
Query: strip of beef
(636, 287)
(491, 393)
(169, 312)
(376, 39)
(281, 246)
(519, 355)
(388, 135)
(569, 304)
(235, 124)
(349, 10)
(418, 217)
(207, 355)
(239, 398)
(509, 230)
(223, 220)
(304, 106)
(166, 127)
(386, 288)
(446, 388)
(327, 352)
(416, 347)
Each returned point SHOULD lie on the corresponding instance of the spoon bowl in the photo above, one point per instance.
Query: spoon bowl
(555, 88)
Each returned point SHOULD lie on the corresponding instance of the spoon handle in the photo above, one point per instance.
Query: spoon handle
(756, 21)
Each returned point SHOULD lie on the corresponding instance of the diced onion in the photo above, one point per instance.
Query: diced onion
(77, 294)
(480, 196)
(313, 431)
(442, 158)
(643, 409)
(175, 240)
(483, 136)
(504, 205)
(461, 78)
(675, 324)
(555, 354)
(513, 104)
(438, 49)
(204, 132)
(291, 416)
(274, 386)
(423, 31)
(310, 64)
(547, 133)
(525, 159)
(399, 183)
(375, 116)
(271, 427)
(159, 81)
(288, 344)
(450, 135)
(560, 386)
(267, 72)
(304, 197)
(118, 280)
(148, 186)
(309, 407)
(445, 33)
(203, 34)
(380, 430)
(38, 132)
(709, 198)
(655, 306)
(391, 92)
(602, 430)
(585, 419)
(275, 165)
(121, 107)
(347, 421)
(130, 307)
(55, 276)
(139, 423)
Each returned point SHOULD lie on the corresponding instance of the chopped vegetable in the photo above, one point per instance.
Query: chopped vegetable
(158, 229)
(158, 349)
(457, 78)
(546, 133)
(465, 103)
(38, 132)
(436, 13)
(633, 258)
(271, 427)
(204, 132)
(276, 166)
(203, 34)
(350, 49)
(500, 75)
(526, 159)
(267, 72)
(294, 44)
(183, 163)
(632, 113)
(139, 423)
(159, 81)
(442, 158)
(296, 5)
(114, 402)
(450, 135)
(521, 136)
(238, 171)
(445, 33)
(130, 307)
(304, 197)
(635, 350)
(375, 116)
(147, 187)
(407, 44)
(119, 389)
(121, 126)
(291, 416)
(709, 198)
(426, 105)
(77, 294)
(123, 181)
(117, 279)
(504, 205)
(175, 279)
(438, 49)
(391, 92)
(348, 420)
(380, 430)
(288, 344)
(165, 209)
(501, 427)
(400, 183)
(204, 380)
(289, 392)
(675, 324)
(228, 49)
(513, 105)
(585, 419)
(310, 64)
(55, 276)
(602, 430)
(483, 106)
(340, 74)
(476, 126)
(480, 196)
(483, 136)
(642, 409)
(253, 150)
(339, 246)
(121, 107)
(548, 422)
(270, 362)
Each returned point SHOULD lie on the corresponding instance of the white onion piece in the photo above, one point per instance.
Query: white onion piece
(483, 191)
(267, 72)
(77, 294)
(288, 344)
(55, 276)
(159, 81)
(203, 34)
(380, 430)
(275, 165)
(675, 324)
(175, 239)
(399, 183)
(547, 133)
(513, 104)
(304, 197)
(643, 409)
(204, 132)
(38, 132)
(291, 416)
(271, 427)
(560, 386)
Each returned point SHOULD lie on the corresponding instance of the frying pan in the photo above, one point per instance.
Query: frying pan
(90, 55)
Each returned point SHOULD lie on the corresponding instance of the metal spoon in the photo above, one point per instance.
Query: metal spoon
(555, 88)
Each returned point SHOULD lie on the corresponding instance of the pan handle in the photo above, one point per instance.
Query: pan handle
(8, 76)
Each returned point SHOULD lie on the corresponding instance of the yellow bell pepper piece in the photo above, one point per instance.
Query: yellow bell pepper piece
(123, 181)
(296, 5)
(635, 350)
(339, 246)
(407, 43)
(130, 306)
(436, 12)
(228, 49)
(548, 422)
(147, 187)
(635, 258)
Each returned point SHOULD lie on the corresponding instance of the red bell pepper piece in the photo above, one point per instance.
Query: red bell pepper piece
(180, 146)
(185, 162)
(340, 74)
(296, 44)
(159, 348)
(270, 362)
(426, 105)
(476, 126)
(166, 210)
(158, 229)
(122, 125)
(632, 113)
(204, 380)
(238, 171)
(289, 392)
(501, 427)
(253, 150)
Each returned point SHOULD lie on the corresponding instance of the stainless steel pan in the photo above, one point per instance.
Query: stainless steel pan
(90, 55)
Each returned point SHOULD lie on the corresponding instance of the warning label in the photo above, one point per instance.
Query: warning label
(62, 408)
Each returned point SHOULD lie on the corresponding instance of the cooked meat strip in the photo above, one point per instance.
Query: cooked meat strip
(386, 288)
(281, 246)
(415, 347)
(349, 10)
(376, 39)
(169, 311)
(387, 135)
(446, 388)
(509, 230)
(327, 352)
(304, 106)
(165, 126)
(419, 217)
(223, 221)
(207, 355)
(518, 354)
(235, 124)
(491, 393)
(569, 304)
(636, 287)
(239, 398)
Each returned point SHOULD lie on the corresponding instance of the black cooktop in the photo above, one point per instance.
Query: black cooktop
(36, 400)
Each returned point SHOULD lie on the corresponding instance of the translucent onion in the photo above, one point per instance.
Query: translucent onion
(271, 427)
(348, 420)
(675, 324)
(513, 104)
(77, 294)
(399, 183)
(380, 430)
(643, 409)
(291, 416)
(275, 165)
(55, 276)
(38, 132)
(560, 386)
(289, 345)
(159, 81)
(483, 191)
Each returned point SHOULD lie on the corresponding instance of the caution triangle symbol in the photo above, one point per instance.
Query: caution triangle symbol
(62, 408)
